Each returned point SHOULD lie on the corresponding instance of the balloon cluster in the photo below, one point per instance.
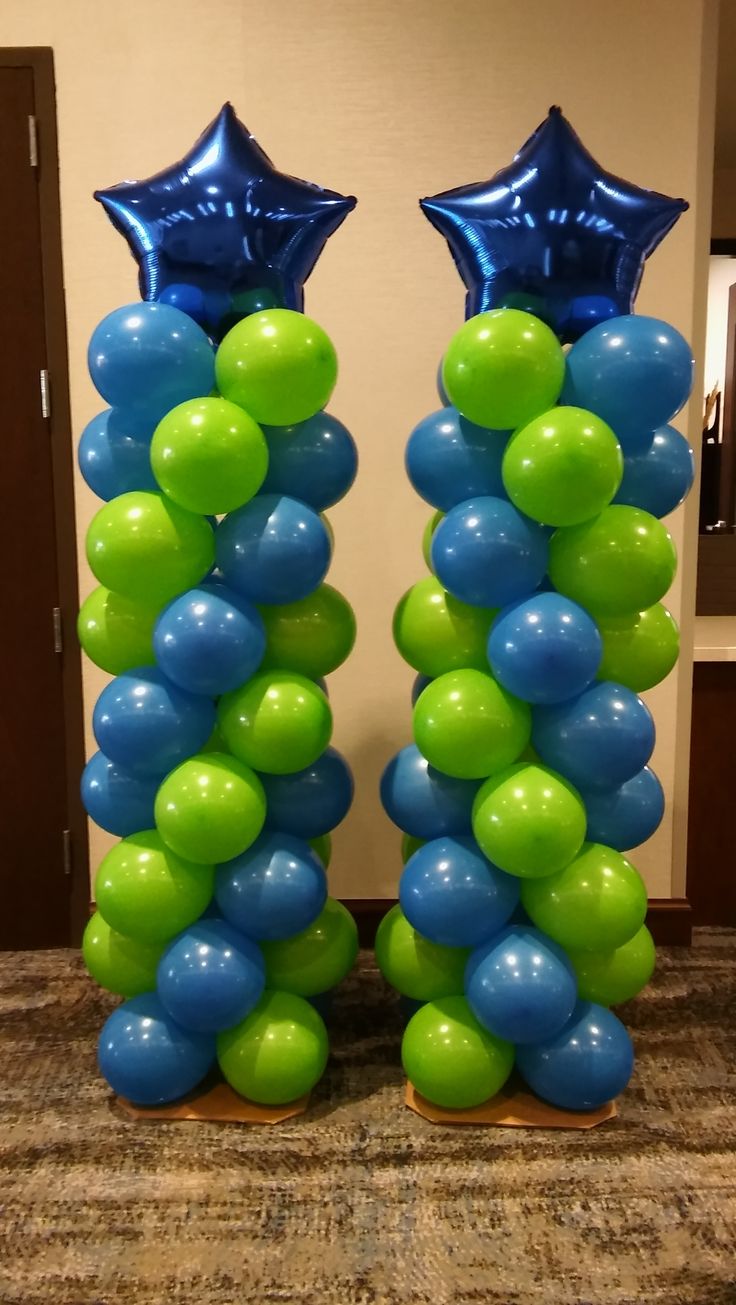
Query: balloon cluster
(520, 920)
(215, 768)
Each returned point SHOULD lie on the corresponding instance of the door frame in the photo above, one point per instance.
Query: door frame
(40, 59)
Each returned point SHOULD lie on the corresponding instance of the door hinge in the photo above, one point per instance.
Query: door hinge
(66, 851)
(33, 139)
(45, 385)
(58, 631)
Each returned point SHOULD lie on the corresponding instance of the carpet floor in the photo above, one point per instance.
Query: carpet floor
(361, 1202)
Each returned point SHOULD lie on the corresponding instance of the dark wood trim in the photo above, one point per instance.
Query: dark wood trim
(670, 919)
(724, 245)
(716, 587)
(41, 60)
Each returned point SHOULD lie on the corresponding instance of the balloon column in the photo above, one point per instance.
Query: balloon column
(214, 767)
(521, 919)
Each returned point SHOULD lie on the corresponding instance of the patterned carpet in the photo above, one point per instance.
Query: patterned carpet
(361, 1202)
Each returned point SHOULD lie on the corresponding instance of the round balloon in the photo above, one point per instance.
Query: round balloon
(413, 964)
(316, 959)
(545, 649)
(117, 800)
(450, 1058)
(145, 891)
(613, 977)
(277, 722)
(585, 1065)
(449, 459)
(312, 801)
(146, 1057)
(597, 740)
(274, 890)
(521, 986)
(151, 352)
(315, 461)
(312, 636)
(563, 467)
(210, 808)
(279, 365)
(209, 456)
(659, 478)
(125, 966)
(210, 977)
(148, 548)
(641, 651)
(114, 462)
(116, 632)
(468, 726)
(420, 684)
(148, 725)
(422, 801)
(529, 821)
(273, 550)
(503, 368)
(451, 894)
(322, 845)
(626, 816)
(428, 536)
(209, 640)
(488, 554)
(277, 1053)
(410, 845)
(615, 565)
(435, 632)
(598, 901)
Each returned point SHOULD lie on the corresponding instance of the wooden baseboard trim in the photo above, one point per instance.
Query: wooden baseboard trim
(668, 918)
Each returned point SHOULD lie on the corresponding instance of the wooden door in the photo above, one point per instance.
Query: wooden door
(43, 852)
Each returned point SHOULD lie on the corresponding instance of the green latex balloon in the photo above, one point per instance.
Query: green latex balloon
(435, 632)
(615, 565)
(450, 1058)
(503, 368)
(116, 632)
(122, 965)
(529, 821)
(611, 978)
(145, 891)
(322, 845)
(210, 808)
(276, 722)
(563, 467)
(209, 456)
(468, 726)
(415, 966)
(316, 959)
(312, 636)
(148, 548)
(598, 902)
(409, 845)
(277, 1053)
(639, 652)
(429, 530)
(279, 365)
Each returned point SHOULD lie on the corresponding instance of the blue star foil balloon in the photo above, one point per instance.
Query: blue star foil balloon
(222, 233)
(553, 233)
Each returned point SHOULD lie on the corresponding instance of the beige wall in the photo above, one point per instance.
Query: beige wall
(388, 101)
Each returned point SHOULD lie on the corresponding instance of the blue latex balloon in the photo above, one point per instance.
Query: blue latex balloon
(210, 977)
(274, 889)
(189, 299)
(315, 461)
(597, 740)
(453, 895)
(521, 985)
(223, 219)
(150, 354)
(626, 816)
(273, 550)
(112, 461)
(487, 554)
(419, 685)
(546, 649)
(146, 1057)
(310, 802)
(553, 233)
(449, 459)
(147, 725)
(424, 802)
(118, 801)
(634, 372)
(441, 391)
(659, 478)
(585, 1065)
(209, 640)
